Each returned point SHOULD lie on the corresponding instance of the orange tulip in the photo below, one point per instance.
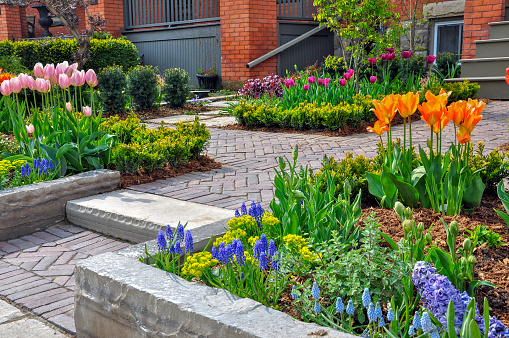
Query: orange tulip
(378, 128)
(456, 112)
(470, 121)
(431, 113)
(386, 109)
(477, 106)
(440, 98)
(463, 136)
(407, 104)
(437, 127)
(507, 79)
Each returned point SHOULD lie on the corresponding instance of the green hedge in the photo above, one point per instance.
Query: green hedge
(305, 115)
(103, 52)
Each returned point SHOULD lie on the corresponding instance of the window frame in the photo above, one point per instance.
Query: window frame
(447, 23)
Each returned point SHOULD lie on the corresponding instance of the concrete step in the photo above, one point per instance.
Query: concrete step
(494, 87)
(137, 216)
(491, 48)
(499, 30)
(484, 67)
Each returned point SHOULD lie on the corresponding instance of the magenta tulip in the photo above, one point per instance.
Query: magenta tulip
(91, 78)
(311, 79)
(87, 111)
(351, 71)
(68, 106)
(289, 83)
(347, 76)
(38, 70)
(406, 54)
(306, 87)
(15, 85)
(320, 81)
(30, 128)
(342, 82)
(372, 60)
(390, 50)
(5, 88)
(49, 71)
(372, 79)
(327, 80)
(64, 81)
(430, 59)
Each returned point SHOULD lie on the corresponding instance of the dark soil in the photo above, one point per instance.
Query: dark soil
(163, 111)
(203, 163)
(345, 131)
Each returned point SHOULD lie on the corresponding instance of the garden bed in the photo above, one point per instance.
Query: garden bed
(163, 111)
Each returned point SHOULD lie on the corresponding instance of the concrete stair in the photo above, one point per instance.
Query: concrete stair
(488, 68)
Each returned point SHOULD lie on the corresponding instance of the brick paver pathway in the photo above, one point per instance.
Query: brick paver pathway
(249, 158)
(36, 271)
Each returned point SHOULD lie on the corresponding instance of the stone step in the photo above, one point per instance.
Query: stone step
(484, 67)
(491, 48)
(493, 87)
(137, 216)
(499, 30)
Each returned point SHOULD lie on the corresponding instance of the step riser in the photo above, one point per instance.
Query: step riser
(491, 50)
(499, 31)
(495, 90)
(484, 68)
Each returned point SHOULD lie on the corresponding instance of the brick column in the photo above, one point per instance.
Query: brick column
(248, 31)
(113, 12)
(478, 13)
(10, 21)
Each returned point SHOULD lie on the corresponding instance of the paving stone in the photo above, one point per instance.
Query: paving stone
(45, 298)
(32, 291)
(24, 285)
(27, 327)
(64, 321)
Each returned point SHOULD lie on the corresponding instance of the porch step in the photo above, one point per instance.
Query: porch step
(484, 67)
(499, 30)
(491, 48)
(493, 87)
(138, 216)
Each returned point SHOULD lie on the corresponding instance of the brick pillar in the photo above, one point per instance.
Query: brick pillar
(478, 13)
(248, 31)
(10, 21)
(113, 12)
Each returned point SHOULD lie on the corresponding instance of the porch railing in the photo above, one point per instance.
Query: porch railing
(296, 10)
(153, 13)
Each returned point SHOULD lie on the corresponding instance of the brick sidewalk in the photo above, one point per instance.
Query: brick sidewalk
(249, 158)
(36, 271)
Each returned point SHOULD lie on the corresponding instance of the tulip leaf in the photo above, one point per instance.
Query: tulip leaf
(408, 193)
(473, 193)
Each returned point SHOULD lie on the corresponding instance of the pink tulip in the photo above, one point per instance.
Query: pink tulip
(347, 76)
(311, 79)
(71, 69)
(61, 67)
(289, 83)
(30, 128)
(91, 78)
(42, 85)
(78, 78)
(342, 82)
(31, 83)
(306, 87)
(15, 85)
(327, 80)
(23, 78)
(87, 111)
(68, 106)
(372, 60)
(372, 79)
(49, 71)
(430, 59)
(5, 88)
(38, 70)
(351, 71)
(320, 81)
(64, 81)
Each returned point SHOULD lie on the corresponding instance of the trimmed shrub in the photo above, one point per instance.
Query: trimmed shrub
(445, 62)
(142, 86)
(112, 83)
(460, 90)
(109, 52)
(176, 87)
(12, 64)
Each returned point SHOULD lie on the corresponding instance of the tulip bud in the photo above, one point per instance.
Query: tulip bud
(356, 207)
(428, 238)
(30, 128)
(295, 152)
(472, 260)
(420, 227)
(454, 228)
(347, 187)
(463, 261)
(467, 245)
(400, 209)
(298, 194)
(68, 106)
(87, 111)
(91, 78)
(282, 163)
(372, 79)
(407, 226)
(342, 82)
(38, 70)
(409, 212)
(15, 85)
(5, 88)
(460, 276)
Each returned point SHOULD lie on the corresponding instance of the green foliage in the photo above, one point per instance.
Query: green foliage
(12, 64)
(142, 86)
(176, 87)
(446, 63)
(8, 145)
(305, 115)
(146, 149)
(112, 83)
(493, 166)
(481, 234)
(335, 65)
(103, 52)
(460, 90)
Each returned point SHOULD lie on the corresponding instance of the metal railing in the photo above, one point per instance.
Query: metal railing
(154, 13)
(295, 9)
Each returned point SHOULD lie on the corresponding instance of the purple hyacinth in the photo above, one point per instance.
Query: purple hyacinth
(265, 244)
(180, 233)
(272, 248)
(169, 233)
(237, 213)
(188, 242)
(262, 262)
(178, 248)
(243, 209)
(240, 258)
(161, 241)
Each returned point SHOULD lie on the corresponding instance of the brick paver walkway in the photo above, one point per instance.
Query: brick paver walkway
(249, 158)
(36, 271)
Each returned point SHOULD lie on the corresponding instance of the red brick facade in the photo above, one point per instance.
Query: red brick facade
(11, 23)
(113, 12)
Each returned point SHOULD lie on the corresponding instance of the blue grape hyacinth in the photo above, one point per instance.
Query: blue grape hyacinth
(417, 320)
(262, 262)
(371, 313)
(390, 315)
(169, 233)
(411, 330)
(180, 233)
(243, 209)
(272, 248)
(350, 309)
(240, 258)
(378, 310)
(161, 241)
(366, 298)
(426, 323)
(293, 294)
(188, 242)
(317, 307)
(237, 213)
(340, 307)
(178, 248)
(315, 291)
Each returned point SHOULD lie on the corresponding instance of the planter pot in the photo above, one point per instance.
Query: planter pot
(118, 296)
(33, 207)
(44, 19)
(201, 93)
(207, 81)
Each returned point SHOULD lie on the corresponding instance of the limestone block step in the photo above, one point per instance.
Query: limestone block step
(492, 48)
(499, 30)
(485, 67)
(493, 87)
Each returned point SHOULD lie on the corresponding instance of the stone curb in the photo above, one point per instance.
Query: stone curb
(33, 207)
(120, 297)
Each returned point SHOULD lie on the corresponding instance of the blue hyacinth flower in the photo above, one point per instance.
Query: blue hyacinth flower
(315, 291)
(161, 241)
(350, 309)
(317, 307)
(366, 298)
(169, 233)
(188, 242)
(340, 307)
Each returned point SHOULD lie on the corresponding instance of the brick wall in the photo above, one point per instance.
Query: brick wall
(478, 13)
(113, 12)
(248, 31)
(10, 22)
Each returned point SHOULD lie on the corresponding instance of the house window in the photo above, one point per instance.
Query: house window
(448, 37)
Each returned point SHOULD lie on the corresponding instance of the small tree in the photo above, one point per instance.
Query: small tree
(360, 25)
(65, 10)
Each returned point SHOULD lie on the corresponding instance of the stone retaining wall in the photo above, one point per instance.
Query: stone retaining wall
(33, 207)
(117, 296)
